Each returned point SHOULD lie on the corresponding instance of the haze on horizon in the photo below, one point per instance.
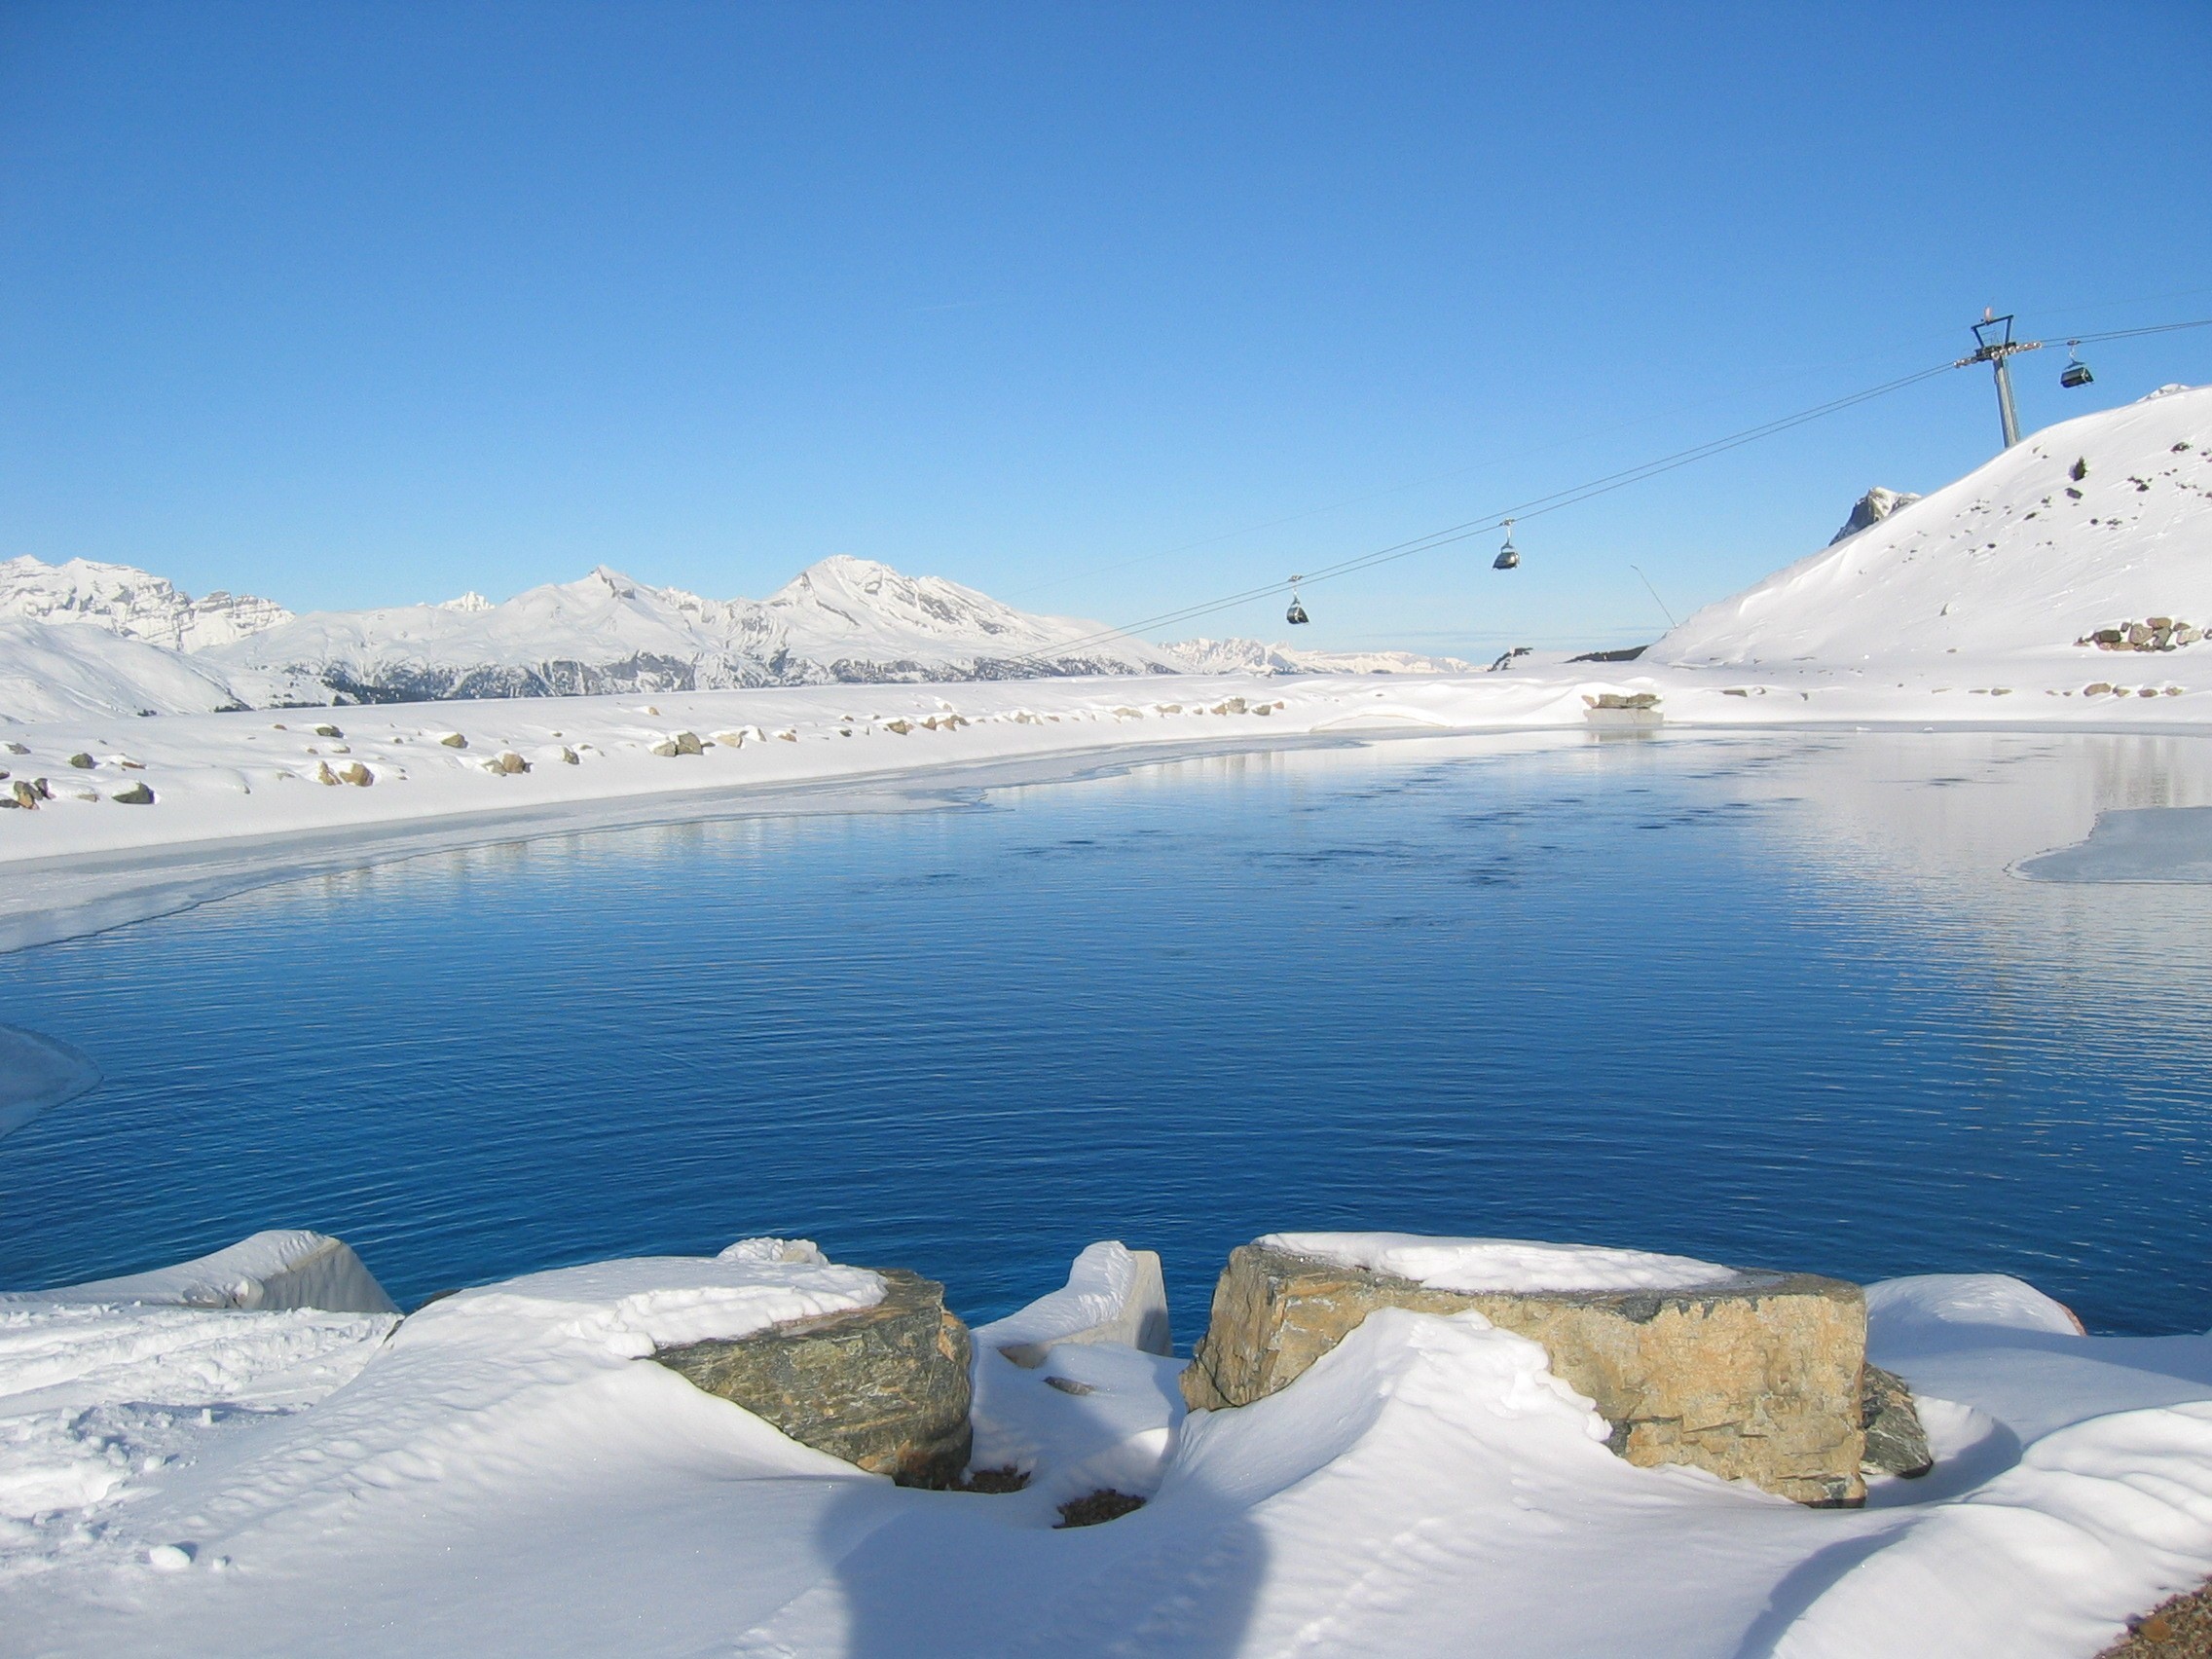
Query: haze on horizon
(1099, 313)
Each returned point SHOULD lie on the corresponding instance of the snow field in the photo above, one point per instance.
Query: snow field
(498, 1474)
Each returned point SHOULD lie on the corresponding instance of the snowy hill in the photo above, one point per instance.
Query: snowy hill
(842, 621)
(53, 672)
(129, 602)
(1229, 656)
(2088, 524)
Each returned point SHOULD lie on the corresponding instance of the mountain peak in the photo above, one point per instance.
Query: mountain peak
(127, 600)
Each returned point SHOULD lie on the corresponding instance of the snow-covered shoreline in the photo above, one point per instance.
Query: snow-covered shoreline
(238, 802)
(193, 1466)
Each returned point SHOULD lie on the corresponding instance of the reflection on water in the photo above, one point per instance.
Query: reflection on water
(1769, 998)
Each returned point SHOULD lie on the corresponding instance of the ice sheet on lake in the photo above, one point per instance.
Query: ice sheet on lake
(2146, 843)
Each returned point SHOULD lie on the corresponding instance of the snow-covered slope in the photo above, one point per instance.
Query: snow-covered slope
(842, 620)
(2102, 520)
(131, 601)
(1229, 656)
(50, 673)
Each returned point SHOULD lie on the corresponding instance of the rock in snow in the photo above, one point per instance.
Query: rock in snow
(885, 1387)
(1755, 1376)
(510, 1470)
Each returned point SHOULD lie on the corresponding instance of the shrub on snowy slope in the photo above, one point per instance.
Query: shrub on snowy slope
(2087, 522)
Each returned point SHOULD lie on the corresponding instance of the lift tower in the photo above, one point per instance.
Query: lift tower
(1993, 337)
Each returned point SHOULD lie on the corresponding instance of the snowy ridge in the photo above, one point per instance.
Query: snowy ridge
(2091, 522)
(842, 620)
(129, 602)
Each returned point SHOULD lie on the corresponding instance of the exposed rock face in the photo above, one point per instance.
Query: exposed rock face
(886, 1388)
(1896, 1443)
(1871, 510)
(1754, 1376)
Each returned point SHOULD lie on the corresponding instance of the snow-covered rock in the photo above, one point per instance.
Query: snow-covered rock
(2093, 521)
(131, 601)
(277, 1270)
(1112, 1295)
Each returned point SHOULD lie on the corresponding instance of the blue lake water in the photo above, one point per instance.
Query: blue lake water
(1769, 999)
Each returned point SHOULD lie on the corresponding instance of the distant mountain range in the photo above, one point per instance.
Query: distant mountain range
(129, 642)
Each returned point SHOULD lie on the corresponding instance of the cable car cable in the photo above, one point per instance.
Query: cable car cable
(1573, 496)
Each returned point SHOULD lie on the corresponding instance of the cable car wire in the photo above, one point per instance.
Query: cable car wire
(1573, 496)
(1535, 507)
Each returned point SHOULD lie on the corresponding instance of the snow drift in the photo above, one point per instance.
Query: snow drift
(500, 1474)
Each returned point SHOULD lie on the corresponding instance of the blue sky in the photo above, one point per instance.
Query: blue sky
(1102, 309)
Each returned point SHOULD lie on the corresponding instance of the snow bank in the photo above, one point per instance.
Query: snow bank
(500, 1474)
(37, 1073)
(1507, 1265)
(276, 1270)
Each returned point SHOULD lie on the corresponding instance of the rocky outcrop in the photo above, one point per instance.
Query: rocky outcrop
(1755, 1376)
(886, 1388)
(1871, 510)
(1896, 1442)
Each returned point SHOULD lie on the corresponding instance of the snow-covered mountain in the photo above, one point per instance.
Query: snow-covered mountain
(2091, 524)
(129, 602)
(843, 619)
(1229, 656)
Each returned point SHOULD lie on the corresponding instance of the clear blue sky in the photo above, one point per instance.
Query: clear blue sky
(365, 304)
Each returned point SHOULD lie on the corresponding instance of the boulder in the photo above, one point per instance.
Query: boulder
(687, 743)
(83, 762)
(1755, 1376)
(328, 731)
(1112, 1295)
(1896, 1442)
(134, 795)
(886, 1388)
(24, 793)
(452, 740)
(356, 774)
